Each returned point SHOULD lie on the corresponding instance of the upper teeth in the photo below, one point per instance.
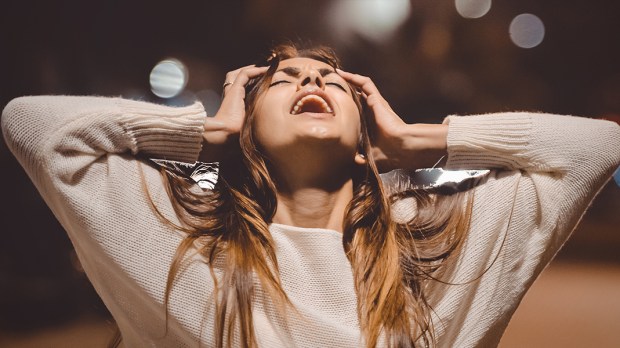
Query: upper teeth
(317, 98)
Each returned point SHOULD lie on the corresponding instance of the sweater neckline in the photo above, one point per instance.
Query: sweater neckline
(295, 229)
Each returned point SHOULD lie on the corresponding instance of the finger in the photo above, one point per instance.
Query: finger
(248, 73)
(241, 78)
(231, 75)
(369, 92)
(365, 83)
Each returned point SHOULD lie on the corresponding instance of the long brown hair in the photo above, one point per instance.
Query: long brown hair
(391, 261)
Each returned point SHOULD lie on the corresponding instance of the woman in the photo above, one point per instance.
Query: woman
(300, 243)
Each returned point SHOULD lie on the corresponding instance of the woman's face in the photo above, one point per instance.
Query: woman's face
(307, 103)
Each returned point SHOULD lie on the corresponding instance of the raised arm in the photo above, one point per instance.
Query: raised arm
(59, 136)
(546, 171)
(85, 156)
(80, 152)
(566, 158)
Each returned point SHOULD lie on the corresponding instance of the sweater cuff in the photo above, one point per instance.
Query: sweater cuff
(164, 132)
(488, 141)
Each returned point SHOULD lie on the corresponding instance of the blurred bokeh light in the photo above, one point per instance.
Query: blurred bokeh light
(527, 30)
(375, 20)
(168, 78)
(472, 8)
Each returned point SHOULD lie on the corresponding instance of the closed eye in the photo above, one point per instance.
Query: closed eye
(278, 83)
(337, 85)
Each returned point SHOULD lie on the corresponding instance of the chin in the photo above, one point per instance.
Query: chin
(320, 132)
(311, 136)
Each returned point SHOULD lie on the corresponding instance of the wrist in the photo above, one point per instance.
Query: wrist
(422, 136)
(218, 140)
(423, 145)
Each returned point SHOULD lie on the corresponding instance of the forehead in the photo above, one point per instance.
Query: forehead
(304, 63)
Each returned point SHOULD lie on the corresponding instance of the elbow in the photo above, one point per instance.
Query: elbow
(605, 152)
(21, 124)
(12, 120)
(611, 137)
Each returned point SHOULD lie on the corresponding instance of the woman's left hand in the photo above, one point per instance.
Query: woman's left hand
(396, 144)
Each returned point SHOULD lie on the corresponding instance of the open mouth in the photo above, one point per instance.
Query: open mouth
(311, 103)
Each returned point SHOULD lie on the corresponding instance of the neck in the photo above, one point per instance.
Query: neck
(313, 207)
(313, 193)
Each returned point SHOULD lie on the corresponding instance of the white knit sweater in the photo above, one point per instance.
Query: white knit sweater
(79, 152)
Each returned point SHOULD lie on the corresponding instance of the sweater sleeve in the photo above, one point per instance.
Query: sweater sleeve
(568, 158)
(533, 142)
(83, 129)
(82, 154)
(546, 171)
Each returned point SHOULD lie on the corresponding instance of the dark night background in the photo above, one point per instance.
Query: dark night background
(434, 63)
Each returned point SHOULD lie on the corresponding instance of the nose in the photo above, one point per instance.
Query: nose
(310, 77)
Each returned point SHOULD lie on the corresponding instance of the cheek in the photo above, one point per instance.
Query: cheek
(355, 135)
(352, 123)
(266, 121)
(260, 126)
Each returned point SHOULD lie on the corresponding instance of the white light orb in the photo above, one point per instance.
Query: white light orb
(527, 30)
(472, 8)
(374, 19)
(168, 78)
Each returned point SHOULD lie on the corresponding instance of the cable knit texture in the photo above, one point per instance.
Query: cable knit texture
(81, 153)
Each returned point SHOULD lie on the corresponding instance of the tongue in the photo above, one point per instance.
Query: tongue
(312, 106)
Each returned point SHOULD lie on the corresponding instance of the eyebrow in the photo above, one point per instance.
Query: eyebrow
(295, 72)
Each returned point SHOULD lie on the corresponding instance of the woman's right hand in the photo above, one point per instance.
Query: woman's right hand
(221, 132)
